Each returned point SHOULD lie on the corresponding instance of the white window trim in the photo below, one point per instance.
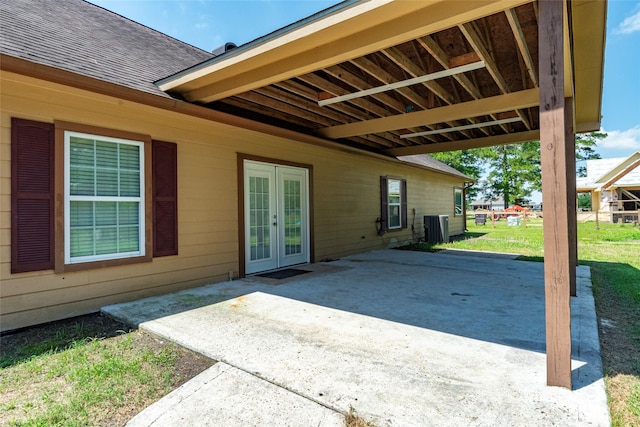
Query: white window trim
(390, 205)
(68, 198)
(455, 203)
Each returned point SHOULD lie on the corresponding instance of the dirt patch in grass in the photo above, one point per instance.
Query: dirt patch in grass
(89, 370)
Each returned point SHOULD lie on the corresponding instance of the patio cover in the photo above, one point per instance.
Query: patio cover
(402, 78)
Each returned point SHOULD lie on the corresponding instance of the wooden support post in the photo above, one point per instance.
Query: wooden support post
(572, 195)
(553, 151)
(597, 221)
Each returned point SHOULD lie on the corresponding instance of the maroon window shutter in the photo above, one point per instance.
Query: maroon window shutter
(165, 198)
(384, 203)
(32, 197)
(403, 201)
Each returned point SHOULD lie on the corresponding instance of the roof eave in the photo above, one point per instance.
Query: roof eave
(589, 18)
(359, 29)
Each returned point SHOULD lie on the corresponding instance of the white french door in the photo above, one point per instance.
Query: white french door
(276, 216)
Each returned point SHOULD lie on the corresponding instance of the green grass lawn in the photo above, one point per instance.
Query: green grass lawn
(85, 372)
(613, 253)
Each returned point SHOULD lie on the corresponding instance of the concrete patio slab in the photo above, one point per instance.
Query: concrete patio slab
(226, 396)
(404, 338)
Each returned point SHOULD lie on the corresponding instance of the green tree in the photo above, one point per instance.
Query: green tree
(586, 149)
(514, 172)
(469, 162)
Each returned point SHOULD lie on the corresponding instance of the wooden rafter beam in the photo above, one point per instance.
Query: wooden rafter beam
(341, 74)
(478, 46)
(296, 101)
(514, 23)
(495, 104)
(306, 105)
(285, 107)
(434, 49)
(403, 83)
(251, 106)
(410, 67)
(383, 76)
(312, 95)
(322, 84)
(289, 109)
(466, 144)
(431, 46)
(414, 70)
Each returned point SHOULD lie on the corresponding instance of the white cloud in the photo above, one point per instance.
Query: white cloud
(202, 25)
(631, 24)
(622, 139)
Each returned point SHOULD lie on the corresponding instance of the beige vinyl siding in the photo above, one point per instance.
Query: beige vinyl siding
(346, 201)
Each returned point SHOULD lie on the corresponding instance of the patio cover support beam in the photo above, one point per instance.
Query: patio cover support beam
(572, 193)
(553, 149)
(464, 127)
(479, 107)
(465, 144)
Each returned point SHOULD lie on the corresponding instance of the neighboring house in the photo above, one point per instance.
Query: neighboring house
(112, 189)
(614, 186)
(496, 204)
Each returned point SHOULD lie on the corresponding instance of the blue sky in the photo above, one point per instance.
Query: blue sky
(208, 24)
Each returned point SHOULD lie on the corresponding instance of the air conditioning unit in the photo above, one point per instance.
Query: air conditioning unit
(436, 228)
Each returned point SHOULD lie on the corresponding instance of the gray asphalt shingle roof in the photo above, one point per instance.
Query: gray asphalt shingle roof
(80, 37)
(430, 162)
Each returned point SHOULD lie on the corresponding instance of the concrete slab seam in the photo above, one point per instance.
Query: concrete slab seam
(233, 365)
(182, 398)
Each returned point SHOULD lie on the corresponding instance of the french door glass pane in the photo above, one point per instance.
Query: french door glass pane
(292, 217)
(260, 225)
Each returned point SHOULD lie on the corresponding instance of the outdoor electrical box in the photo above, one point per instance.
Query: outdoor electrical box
(436, 228)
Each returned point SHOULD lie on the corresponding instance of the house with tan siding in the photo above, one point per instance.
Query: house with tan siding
(132, 164)
(113, 189)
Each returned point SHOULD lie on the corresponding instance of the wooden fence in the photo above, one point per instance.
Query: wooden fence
(483, 216)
